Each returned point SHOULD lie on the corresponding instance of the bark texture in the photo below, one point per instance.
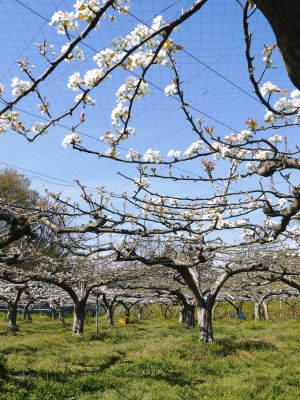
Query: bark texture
(257, 311)
(26, 313)
(204, 315)
(187, 315)
(110, 316)
(266, 310)
(12, 318)
(284, 17)
(79, 317)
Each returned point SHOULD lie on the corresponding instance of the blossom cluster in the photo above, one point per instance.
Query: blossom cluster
(267, 53)
(142, 182)
(289, 104)
(85, 9)
(77, 53)
(269, 88)
(38, 127)
(171, 90)
(63, 21)
(240, 137)
(193, 148)
(19, 86)
(125, 91)
(72, 138)
(152, 156)
(133, 155)
(85, 98)
(174, 154)
(7, 119)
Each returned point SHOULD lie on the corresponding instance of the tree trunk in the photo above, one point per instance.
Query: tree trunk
(190, 316)
(257, 315)
(284, 16)
(266, 310)
(12, 317)
(205, 324)
(293, 310)
(26, 315)
(79, 317)
(53, 314)
(127, 312)
(165, 312)
(182, 314)
(280, 308)
(140, 314)
(110, 316)
(29, 314)
(61, 315)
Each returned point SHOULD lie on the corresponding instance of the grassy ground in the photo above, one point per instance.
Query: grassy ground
(152, 359)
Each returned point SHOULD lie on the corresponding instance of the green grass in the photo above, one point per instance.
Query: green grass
(153, 359)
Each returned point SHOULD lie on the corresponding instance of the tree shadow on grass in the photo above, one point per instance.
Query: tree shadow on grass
(54, 383)
(221, 348)
(231, 345)
(158, 370)
(24, 349)
(108, 362)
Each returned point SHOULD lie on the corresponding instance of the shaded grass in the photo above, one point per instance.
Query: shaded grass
(152, 359)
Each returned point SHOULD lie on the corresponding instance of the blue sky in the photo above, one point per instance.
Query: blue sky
(214, 36)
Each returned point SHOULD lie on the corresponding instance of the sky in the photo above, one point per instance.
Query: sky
(213, 72)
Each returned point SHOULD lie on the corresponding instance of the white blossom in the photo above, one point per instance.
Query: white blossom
(72, 138)
(268, 87)
(125, 91)
(86, 99)
(111, 152)
(244, 135)
(157, 23)
(270, 117)
(222, 149)
(76, 54)
(134, 155)
(193, 148)
(284, 104)
(122, 6)
(85, 9)
(231, 138)
(295, 93)
(19, 86)
(38, 128)
(152, 156)
(4, 125)
(145, 182)
(171, 90)
(276, 138)
(75, 81)
(63, 20)
(92, 77)
(174, 154)
(108, 138)
(263, 155)
(119, 112)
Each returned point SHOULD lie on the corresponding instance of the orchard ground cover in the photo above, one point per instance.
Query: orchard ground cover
(150, 359)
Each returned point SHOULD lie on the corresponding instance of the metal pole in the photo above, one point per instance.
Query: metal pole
(280, 308)
(97, 298)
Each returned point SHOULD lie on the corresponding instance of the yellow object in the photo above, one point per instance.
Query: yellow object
(124, 320)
